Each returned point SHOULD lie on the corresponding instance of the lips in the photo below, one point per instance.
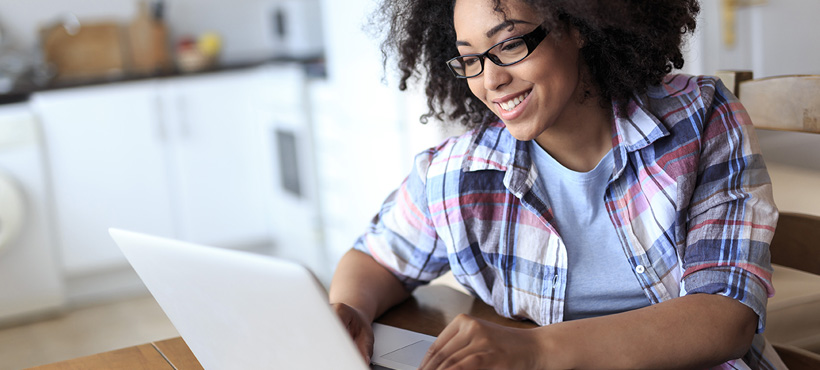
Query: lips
(511, 106)
(512, 103)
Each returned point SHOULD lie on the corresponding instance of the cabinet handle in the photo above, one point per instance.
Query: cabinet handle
(160, 121)
(184, 125)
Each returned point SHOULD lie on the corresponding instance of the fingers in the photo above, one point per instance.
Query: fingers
(469, 343)
(431, 358)
(364, 342)
(465, 359)
(452, 340)
(358, 328)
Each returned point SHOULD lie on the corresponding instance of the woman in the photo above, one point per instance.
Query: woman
(626, 211)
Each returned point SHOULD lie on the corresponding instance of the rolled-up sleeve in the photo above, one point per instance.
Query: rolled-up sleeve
(732, 215)
(402, 237)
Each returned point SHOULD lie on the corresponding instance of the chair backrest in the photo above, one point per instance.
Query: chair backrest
(796, 242)
(788, 103)
(797, 358)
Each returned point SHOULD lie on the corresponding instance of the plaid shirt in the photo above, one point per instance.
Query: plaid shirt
(690, 200)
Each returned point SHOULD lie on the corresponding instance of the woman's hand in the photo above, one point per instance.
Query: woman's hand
(358, 327)
(470, 343)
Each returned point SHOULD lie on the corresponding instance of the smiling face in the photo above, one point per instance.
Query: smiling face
(533, 95)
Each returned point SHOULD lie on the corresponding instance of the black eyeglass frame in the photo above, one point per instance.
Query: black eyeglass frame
(531, 39)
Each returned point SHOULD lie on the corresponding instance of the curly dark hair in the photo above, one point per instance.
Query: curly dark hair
(629, 45)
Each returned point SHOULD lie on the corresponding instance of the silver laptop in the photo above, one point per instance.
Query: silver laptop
(238, 310)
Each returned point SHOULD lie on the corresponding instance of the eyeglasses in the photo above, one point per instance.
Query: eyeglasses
(504, 53)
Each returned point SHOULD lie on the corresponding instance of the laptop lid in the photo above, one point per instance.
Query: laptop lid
(238, 310)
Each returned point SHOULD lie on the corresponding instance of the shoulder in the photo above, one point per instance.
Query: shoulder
(446, 155)
(487, 144)
(686, 98)
(680, 91)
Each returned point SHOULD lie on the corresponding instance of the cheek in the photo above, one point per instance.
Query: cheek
(561, 77)
(477, 88)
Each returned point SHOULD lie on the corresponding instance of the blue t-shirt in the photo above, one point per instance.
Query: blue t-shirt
(600, 281)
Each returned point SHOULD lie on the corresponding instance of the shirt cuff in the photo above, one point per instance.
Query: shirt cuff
(409, 284)
(733, 282)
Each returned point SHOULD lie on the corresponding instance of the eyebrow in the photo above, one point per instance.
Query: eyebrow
(496, 29)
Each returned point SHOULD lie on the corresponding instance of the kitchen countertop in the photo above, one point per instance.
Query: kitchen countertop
(314, 68)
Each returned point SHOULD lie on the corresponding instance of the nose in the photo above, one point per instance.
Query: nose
(494, 76)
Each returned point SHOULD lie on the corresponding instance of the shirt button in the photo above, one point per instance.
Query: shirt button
(640, 269)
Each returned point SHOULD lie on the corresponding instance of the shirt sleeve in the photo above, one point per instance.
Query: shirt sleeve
(402, 237)
(732, 215)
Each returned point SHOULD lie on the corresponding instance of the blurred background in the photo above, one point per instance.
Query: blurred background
(262, 125)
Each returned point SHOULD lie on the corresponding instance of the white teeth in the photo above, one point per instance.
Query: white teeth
(512, 103)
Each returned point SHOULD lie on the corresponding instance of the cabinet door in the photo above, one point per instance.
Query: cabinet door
(216, 156)
(106, 149)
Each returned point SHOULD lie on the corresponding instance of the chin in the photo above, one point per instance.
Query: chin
(521, 130)
(521, 136)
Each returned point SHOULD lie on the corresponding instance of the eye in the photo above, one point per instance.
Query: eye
(469, 61)
(512, 45)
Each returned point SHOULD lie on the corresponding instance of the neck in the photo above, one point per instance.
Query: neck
(581, 137)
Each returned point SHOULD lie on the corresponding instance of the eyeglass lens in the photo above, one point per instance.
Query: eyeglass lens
(504, 53)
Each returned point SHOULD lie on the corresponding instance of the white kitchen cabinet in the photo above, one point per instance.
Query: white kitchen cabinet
(216, 158)
(180, 157)
(106, 152)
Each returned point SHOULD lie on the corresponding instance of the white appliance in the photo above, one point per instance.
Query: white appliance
(30, 277)
(287, 133)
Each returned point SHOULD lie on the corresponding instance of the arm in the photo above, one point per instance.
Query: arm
(689, 332)
(692, 331)
(404, 241)
(362, 290)
(361, 283)
(400, 251)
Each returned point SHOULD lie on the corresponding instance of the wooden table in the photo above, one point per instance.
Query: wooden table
(428, 311)
(167, 354)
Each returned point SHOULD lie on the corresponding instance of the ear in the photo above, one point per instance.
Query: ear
(577, 37)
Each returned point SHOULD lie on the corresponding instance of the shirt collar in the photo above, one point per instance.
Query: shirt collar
(494, 148)
(634, 127)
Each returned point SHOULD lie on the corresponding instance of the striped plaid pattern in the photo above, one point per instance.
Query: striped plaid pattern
(690, 199)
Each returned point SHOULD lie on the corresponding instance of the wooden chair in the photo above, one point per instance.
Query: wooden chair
(797, 358)
(796, 242)
(789, 103)
(784, 103)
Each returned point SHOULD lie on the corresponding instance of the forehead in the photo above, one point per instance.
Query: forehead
(474, 18)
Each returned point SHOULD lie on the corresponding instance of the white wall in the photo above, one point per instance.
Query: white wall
(245, 25)
(376, 123)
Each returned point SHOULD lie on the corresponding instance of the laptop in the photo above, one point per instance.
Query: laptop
(238, 310)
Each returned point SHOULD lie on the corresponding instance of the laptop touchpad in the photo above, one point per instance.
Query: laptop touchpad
(410, 355)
